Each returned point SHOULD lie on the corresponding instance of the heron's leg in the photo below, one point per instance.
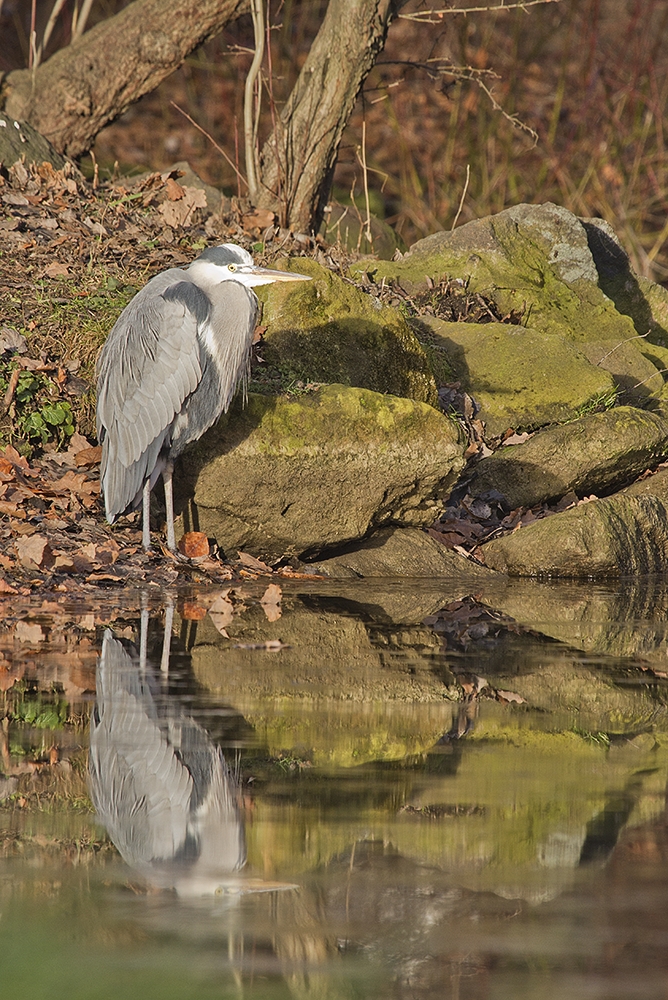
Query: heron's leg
(146, 516)
(169, 505)
(166, 642)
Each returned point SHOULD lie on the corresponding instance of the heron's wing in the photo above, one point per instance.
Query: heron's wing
(139, 786)
(148, 367)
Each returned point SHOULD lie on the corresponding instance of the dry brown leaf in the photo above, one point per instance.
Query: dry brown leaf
(179, 214)
(250, 562)
(259, 219)
(34, 552)
(75, 482)
(6, 588)
(192, 612)
(510, 696)
(88, 456)
(271, 602)
(64, 564)
(175, 191)
(106, 554)
(57, 270)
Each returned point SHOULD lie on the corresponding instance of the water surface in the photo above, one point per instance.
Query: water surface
(369, 791)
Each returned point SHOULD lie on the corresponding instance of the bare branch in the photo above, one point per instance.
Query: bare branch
(461, 200)
(212, 141)
(79, 23)
(436, 16)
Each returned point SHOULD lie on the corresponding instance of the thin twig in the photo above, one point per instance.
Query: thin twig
(426, 16)
(638, 336)
(250, 113)
(79, 25)
(461, 200)
(365, 177)
(211, 140)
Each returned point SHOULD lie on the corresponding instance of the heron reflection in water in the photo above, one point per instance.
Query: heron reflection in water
(163, 791)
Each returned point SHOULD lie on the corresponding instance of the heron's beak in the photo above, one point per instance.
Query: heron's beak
(265, 275)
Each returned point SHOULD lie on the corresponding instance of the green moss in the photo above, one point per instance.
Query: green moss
(331, 331)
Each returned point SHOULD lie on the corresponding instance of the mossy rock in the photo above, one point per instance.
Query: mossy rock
(406, 553)
(520, 378)
(533, 259)
(332, 694)
(619, 536)
(642, 300)
(594, 454)
(296, 476)
(328, 330)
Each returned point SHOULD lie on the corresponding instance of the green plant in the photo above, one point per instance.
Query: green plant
(38, 416)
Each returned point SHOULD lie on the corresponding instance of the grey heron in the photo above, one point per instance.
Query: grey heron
(169, 368)
(160, 787)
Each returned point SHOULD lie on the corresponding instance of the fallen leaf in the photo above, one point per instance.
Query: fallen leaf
(194, 545)
(107, 553)
(57, 270)
(95, 227)
(88, 456)
(179, 213)
(6, 588)
(175, 191)
(34, 552)
(271, 602)
(250, 562)
(259, 219)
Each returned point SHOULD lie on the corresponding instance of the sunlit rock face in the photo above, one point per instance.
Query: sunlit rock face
(294, 476)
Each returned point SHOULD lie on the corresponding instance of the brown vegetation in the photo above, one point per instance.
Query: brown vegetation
(590, 77)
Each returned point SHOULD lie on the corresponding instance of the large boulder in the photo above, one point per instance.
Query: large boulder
(407, 553)
(328, 330)
(520, 378)
(536, 261)
(295, 476)
(618, 536)
(594, 454)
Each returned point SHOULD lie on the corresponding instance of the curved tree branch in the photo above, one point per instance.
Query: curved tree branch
(85, 86)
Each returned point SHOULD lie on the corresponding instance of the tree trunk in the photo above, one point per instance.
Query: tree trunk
(83, 87)
(297, 161)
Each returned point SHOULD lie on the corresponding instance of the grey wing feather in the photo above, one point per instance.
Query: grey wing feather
(148, 367)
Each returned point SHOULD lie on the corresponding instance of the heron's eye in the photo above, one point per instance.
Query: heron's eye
(231, 267)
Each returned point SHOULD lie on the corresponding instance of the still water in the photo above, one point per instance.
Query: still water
(365, 790)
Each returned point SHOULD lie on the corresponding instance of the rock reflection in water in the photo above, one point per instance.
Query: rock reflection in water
(163, 791)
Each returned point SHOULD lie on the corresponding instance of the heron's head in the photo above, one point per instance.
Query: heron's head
(230, 262)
